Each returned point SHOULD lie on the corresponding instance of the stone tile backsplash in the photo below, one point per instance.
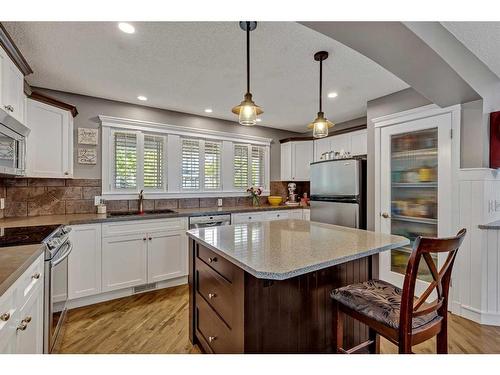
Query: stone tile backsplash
(46, 196)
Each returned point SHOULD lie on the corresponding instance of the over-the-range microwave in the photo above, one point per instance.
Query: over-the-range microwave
(12, 145)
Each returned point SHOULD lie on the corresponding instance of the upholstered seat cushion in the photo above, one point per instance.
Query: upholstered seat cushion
(378, 300)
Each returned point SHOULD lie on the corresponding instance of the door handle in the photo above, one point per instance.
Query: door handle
(385, 215)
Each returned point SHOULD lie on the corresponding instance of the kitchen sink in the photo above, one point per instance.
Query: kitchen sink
(154, 212)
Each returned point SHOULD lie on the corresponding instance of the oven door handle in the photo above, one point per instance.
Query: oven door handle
(65, 254)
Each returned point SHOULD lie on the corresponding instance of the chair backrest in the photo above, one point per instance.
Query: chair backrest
(423, 248)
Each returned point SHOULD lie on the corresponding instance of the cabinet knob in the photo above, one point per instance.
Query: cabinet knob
(66, 173)
(212, 338)
(212, 295)
(144, 239)
(212, 260)
(24, 324)
(150, 238)
(36, 276)
(9, 108)
(5, 316)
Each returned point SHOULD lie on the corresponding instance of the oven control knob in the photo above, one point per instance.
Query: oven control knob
(53, 243)
(65, 230)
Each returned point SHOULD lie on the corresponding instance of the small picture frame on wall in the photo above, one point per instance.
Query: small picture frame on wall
(88, 136)
(87, 156)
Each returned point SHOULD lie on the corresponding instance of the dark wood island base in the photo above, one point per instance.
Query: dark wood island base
(231, 311)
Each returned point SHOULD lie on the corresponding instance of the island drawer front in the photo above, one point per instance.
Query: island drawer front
(216, 262)
(216, 334)
(217, 291)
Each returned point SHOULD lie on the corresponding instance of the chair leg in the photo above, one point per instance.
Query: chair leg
(405, 346)
(374, 347)
(338, 326)
(442, 337)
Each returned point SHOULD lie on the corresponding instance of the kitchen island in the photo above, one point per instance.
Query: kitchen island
(264, 287)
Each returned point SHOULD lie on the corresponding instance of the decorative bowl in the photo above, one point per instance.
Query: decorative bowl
(274, 200)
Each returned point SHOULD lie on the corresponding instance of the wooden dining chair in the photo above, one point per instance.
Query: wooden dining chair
(396, 313)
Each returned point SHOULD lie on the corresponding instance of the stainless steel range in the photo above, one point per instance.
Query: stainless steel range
(57, 249)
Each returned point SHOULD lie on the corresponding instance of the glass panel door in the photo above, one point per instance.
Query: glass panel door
(414, 196)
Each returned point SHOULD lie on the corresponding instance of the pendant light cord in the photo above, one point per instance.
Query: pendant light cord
(248, 57)
(320, 85)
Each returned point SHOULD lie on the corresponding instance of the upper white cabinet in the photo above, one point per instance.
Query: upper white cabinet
(50, 142)
(12, 88)
(296, 157)
(354, 142)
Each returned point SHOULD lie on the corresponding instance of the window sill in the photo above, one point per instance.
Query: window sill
(110, 196)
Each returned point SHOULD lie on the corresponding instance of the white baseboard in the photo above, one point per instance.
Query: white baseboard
(476, 315)
(115, 294)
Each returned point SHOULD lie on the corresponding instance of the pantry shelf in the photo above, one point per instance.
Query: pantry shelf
(415, 184)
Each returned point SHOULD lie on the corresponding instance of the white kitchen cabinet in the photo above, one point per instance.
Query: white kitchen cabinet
(277, 215)
(12, 88)
(296, 157)
(84, 262)
(321, 146)
(166, 256)
(341, 142)
(124, 261)
(21, 313)
(359, 142)
(295, 214)
(247, 217)
(50, 142)
(306, 214)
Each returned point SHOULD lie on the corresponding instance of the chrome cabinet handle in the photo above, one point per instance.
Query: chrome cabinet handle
(212, 260)
(36, 276)
(385, 215)
(24, 324)
(212, 295)
(212, 338)
(5, 316)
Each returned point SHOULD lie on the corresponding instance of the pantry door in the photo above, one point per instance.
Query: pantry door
(415, 189)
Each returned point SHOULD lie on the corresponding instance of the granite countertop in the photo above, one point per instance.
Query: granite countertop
(14, 260)
(495, 225)
(283, 249)
(74, 219)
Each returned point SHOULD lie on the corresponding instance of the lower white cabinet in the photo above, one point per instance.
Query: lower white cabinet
(21, 313)
(277, 215)
(166, 256)
(248, 217)
(124, 261)
(306, 214)
(84, 263)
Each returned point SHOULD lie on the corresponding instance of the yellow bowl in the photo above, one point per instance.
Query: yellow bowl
(274, 200)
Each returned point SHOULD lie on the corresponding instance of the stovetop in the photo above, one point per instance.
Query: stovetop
(25, 235)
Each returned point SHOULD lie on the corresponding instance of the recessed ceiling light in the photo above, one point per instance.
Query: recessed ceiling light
(208, 110)
(126, 27)
(142, 97)
(332, 95)
(259, 120)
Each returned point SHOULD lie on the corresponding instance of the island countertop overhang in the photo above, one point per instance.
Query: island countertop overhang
(282, 249)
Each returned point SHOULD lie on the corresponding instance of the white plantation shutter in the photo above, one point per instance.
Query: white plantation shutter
(190, 150)
(125, 166)
(257, 166)
(240, 180)
(154, 161)
(212, 167)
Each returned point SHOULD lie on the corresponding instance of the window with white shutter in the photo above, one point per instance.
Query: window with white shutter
(190, 154)
(240, 180)
(212, 165)
(125, 163)
(154, 161)
(257, 166)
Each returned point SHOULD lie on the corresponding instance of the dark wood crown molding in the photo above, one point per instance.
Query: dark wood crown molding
(10, 47)
(35, 95)
(331, 134)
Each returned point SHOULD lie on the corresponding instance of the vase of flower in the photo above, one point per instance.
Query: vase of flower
(255, 192)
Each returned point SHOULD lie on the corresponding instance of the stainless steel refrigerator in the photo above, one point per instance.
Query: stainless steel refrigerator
(338, 192)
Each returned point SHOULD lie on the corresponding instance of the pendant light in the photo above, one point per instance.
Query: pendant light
(320, 125)
(247, 110)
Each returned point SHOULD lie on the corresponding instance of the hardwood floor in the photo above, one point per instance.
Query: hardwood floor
(157, 322)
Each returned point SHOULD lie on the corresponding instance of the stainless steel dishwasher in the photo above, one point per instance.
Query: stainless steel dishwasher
(209, 221)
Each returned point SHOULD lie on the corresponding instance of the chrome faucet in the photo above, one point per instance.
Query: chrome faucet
(141, 203)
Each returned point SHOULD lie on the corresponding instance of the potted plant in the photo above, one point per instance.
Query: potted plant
(255, 192)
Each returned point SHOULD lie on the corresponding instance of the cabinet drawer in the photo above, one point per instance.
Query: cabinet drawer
(143, 226)
(217, 291)
(8, 312)
(248, 217)
(277, 215)
(215, 332)
(30, 281)
(216, 262)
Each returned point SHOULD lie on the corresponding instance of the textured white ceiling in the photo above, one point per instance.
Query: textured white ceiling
(191, 66)
(481, 38)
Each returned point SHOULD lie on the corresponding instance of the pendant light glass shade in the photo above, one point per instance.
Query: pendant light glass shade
(247, 110)
(320, 126)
